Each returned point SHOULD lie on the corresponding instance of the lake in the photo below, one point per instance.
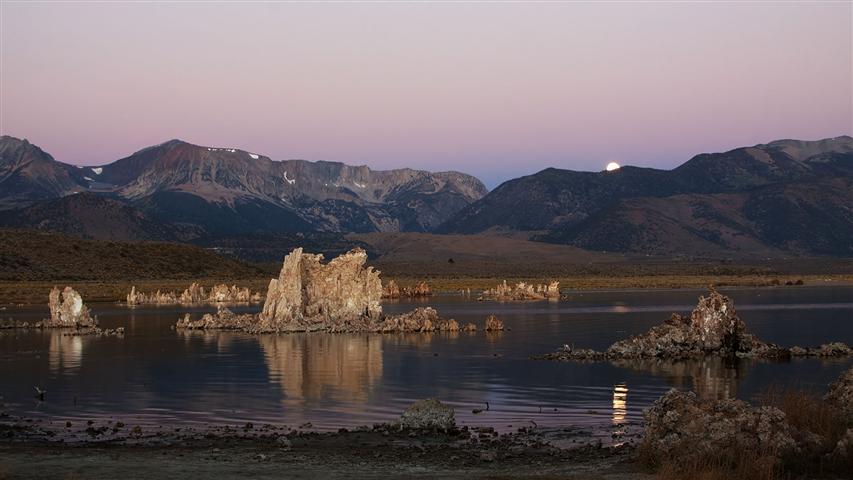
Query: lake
(158, 376)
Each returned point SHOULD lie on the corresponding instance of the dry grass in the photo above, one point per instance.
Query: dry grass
(811, 416)
(724, 466)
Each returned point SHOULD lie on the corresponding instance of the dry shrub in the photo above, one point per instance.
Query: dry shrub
(817, 426)
(730, 464)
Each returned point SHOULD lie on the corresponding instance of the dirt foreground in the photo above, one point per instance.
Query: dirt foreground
(381, 451)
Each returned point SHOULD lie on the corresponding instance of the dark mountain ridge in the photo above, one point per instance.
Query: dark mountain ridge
(785, 196)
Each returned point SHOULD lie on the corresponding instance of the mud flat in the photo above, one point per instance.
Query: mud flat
(35, 449)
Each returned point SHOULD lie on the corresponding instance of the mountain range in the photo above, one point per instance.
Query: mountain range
(780, 198)
(218, 191)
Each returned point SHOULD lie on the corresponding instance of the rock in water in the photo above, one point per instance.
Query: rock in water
(493, 324)
(421, 319)
(840, 393)
(521, 291)
(716, 325)
(224, 319)
(195, 294)
(309, 293)
(713, 328)
(392, 290)
(429, 414)
(67, 309)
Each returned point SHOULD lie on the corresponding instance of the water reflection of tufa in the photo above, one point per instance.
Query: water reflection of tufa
(222, 340)
(711, 377)
(310, 367)
(64, 351)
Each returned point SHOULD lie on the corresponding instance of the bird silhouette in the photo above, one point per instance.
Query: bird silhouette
(480, 410)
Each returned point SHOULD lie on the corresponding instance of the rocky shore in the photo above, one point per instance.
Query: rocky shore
(718, 438)
(713, 328)
(425, 442)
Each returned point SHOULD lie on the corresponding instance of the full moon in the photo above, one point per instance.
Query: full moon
(612, 166)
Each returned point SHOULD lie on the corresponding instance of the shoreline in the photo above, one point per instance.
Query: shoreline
(381, 450)
(33, 293)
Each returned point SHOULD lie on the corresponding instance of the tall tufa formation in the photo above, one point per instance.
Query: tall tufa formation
(309, 293)
(715, 323)
(67, 309)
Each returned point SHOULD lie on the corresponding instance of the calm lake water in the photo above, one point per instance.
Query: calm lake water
(158, 376)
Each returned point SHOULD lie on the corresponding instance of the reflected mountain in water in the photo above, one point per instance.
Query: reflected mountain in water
(339, 367)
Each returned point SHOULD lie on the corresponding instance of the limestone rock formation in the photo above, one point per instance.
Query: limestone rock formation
(840, 393)
(153, 298)
(309, 293)
(429, 414)
(67, 310)
(339, 296)
(422, 319)
(223, 319)
(521, 291)
(712, 328)
(392, 290)
(494, 324)
(195, 294)
(715, 323)
(680, 426)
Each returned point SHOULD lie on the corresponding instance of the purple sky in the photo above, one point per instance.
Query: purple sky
(496, 90)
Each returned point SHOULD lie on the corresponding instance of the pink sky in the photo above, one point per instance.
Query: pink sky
(496, 90)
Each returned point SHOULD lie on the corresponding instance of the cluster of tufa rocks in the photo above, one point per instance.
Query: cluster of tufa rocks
(840, 394)
(713, 328)
(342, 295)
(392, 290)
(679, 423)
(195, 295)
(67, 311)
(521, 291)
(682, 427)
